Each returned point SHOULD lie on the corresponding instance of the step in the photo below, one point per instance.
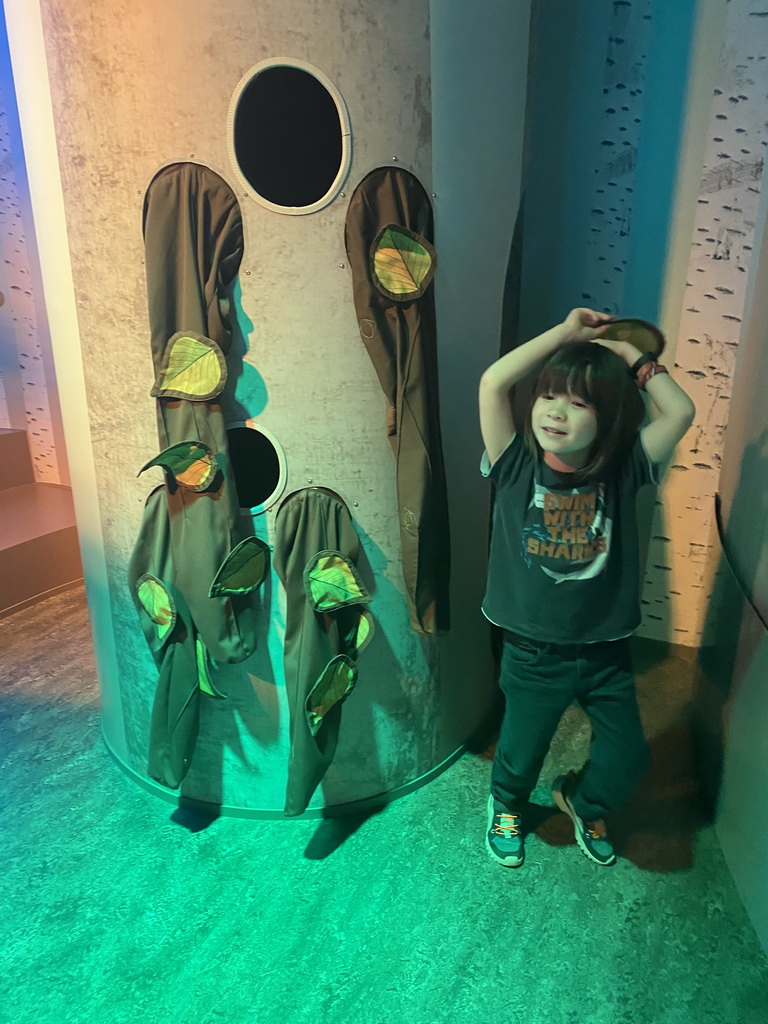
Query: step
(15, 459)
(39, 551)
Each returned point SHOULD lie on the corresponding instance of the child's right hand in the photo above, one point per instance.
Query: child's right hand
(584, 325)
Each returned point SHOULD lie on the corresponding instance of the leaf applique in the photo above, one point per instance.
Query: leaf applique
(331, 581)
(204, 680)
(364, 632)
(244, 569)
(193, 368)
(403, 262)
(157, 603)
(190, 462)
(356, 629)
(335, 684)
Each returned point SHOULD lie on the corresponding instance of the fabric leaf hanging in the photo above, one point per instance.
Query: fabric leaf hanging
(157, 603)
(403, 263)
(193, 368)
(190, 462)
(356, 628)
(364, 632)
(331, 581)
(204, 680)
(243, 570)
(334, 685)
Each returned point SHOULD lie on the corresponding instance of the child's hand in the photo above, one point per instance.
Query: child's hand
(625, 349)
(584, 324)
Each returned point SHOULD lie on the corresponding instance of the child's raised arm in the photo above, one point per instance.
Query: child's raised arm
(674, 409)
(496, 420)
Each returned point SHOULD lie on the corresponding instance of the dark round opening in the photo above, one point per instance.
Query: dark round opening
(287, 136)
(255, 464)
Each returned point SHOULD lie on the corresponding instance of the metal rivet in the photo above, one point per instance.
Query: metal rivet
(142, 262)
(247, 273)
(138, 191)
(342, 194)
(354, 503)
(191, 156)
(245, 194)
(342, 265)
(394, 158)
(434, 195)
(310, 480)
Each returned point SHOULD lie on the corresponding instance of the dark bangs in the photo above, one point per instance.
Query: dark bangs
(601, 378)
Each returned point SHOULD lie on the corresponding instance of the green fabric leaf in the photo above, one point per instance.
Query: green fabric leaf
(157, 603)
(356, 629)
(335, 684)
(193, 368)
(331, 581)
(190, 462)
(365, 631)
(243, 570)
(403, 262)
(204, 680)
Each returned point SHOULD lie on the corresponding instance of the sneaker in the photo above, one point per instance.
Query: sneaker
(591, 836)
(504, 838)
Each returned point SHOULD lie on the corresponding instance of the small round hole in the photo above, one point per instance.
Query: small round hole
(258, 463)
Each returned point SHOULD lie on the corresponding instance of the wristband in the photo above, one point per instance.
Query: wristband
(647, 371)
(647, 357)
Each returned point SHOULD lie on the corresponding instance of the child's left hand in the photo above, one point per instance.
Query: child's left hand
(625, 349)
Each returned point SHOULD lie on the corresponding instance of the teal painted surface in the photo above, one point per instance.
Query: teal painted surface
(122, 913)
(479, 56)
(742, 834)
(743, 481)
(660, 137)
(742, 487)
(607, 87)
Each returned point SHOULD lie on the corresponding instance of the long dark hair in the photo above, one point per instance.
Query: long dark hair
(601, 378)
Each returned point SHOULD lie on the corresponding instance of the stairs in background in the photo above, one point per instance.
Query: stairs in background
(39, 552)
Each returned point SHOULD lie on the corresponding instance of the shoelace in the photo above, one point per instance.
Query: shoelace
(597, 829)
(506, 826)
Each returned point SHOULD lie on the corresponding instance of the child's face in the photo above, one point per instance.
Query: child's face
(564, 424)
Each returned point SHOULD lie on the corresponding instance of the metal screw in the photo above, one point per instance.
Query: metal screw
(191, 156)
(245, 194)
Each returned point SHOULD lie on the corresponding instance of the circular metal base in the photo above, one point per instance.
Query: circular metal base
(353, 807)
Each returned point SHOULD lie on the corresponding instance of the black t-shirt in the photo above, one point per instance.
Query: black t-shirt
(564, 562)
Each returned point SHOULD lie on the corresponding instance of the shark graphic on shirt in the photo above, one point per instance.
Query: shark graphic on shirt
(570, 528)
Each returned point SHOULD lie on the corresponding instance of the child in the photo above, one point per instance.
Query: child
(564, 574)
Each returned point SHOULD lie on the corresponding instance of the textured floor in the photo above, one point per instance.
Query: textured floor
(117, 909)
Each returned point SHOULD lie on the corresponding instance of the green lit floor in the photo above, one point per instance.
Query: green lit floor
(113, 912)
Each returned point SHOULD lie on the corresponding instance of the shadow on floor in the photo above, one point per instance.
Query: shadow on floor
(334, 831)
(193, 820)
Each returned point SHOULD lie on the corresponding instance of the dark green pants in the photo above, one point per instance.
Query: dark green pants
(193, 239)
(310, 521)
(398, 330)
(539, 682)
